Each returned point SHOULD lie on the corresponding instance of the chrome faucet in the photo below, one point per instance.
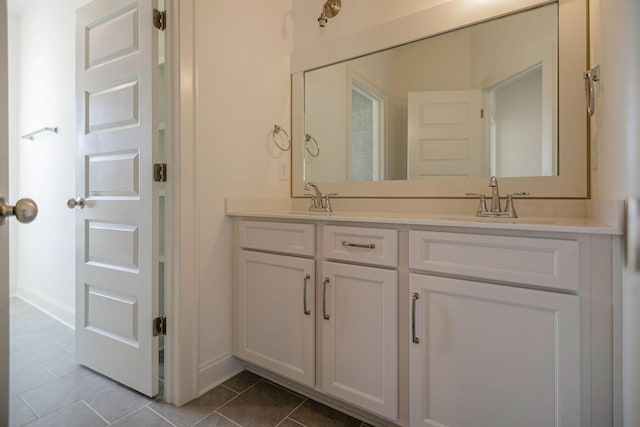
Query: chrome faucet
(319, 202)
(496, 210)
(495, 195)
(318, 196)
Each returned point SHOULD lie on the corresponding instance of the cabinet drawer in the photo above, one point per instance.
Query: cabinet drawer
(289, 238)
(529, 261)
(377, 246)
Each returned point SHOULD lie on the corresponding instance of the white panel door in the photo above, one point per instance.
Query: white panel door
(360, 336)
(116, 231)
(486, 355)
(276, 314)
(445, 134)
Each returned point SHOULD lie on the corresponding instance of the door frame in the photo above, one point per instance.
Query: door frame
(629, 393)
(181, 285)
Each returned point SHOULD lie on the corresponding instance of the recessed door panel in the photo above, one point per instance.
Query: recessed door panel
(442, 114)
(111, 314)
(113, 107)
(112, 245)
(113, 174)
(112, 36)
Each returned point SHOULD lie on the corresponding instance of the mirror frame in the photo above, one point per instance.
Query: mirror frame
(573, 150)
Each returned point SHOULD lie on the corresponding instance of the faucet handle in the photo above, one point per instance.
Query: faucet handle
(482, 207)
(510, 209)
(314, 200)
(327, 201)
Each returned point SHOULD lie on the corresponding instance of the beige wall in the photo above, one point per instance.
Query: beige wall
(327, 111)
(355, 16)
(610, 46)
(242, 89)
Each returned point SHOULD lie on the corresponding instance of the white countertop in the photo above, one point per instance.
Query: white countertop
(559, 224)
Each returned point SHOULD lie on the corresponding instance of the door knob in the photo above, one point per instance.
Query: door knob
(25, 210)
(72, 203)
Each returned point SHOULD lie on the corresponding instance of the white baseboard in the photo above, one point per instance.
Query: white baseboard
(216, 372)
(61, 312)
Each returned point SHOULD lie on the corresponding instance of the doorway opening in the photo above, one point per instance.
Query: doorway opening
(366, 148)
(42, 90)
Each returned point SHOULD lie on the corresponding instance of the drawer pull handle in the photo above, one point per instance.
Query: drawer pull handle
(414, 298)
(304, 295)
(359, 245)
(324, 298)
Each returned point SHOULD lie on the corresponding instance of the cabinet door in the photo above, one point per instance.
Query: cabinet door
(487, 355)
(360, 336)
(276, 312)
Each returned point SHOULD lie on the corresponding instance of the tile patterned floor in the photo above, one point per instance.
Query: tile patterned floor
(48, 389)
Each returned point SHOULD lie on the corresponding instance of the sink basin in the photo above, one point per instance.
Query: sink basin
(306, 212)
(498, 220)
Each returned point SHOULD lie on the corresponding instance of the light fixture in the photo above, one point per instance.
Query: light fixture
(329, 10)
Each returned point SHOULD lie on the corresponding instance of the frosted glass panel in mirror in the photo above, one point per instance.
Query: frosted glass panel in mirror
(474, 102)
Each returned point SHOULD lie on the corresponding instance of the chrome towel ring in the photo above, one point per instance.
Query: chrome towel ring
(310, 139)
(276, 131)
(590, 77)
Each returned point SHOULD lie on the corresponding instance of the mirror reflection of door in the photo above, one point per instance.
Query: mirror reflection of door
(445, 130)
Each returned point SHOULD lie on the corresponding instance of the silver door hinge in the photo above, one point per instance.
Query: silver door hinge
(160, 172)
(482, 113)
(159, 326)
(160, 19)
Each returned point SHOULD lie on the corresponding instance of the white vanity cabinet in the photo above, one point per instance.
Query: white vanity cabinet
(486, 351)
(420, 323)
(276, 298)
(351, 316)
(359, 311)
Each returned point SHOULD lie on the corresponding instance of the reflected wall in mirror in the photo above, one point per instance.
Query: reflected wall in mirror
(475, 102)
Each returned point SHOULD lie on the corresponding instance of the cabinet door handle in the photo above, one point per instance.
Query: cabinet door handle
(414, 298)
(359, 245)
(304, 295)
(324, 298)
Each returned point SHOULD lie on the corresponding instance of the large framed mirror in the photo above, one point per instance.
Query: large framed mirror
(498, 92)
